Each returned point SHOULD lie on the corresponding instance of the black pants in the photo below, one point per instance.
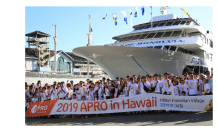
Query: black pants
(107, 97)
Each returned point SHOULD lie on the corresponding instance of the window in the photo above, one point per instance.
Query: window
(149, 47)
(188, 22)
(143, 36)
(158, 47)
(161, 24)
(168, 23)
(150, 35)
(142, 27)
(117, 41)
(172, 48)
(176, 22)
(167, 34)
(183, 22)
(136, 37)
(137, 28)
(129, 38)
(166, 47)
(176, 33)
(123, 39)
(148, 26)
(159, 34)
(180, 50)
(155, 25)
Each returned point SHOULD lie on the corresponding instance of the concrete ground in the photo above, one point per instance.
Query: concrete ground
(139, 119)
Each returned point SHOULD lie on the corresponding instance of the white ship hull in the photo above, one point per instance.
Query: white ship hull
(114, 60)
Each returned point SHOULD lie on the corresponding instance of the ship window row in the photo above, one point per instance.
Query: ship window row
(172, 48)
(161, 24)
(152, 35)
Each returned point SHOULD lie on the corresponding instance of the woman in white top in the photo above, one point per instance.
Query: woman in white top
(43, 95)
(206, 87)
(54, 93)
(155, 85)
(125, 89)
(35, 99)
(174, 89)
(121, 94)
(107, 91)
(70, 91)
(183, 87)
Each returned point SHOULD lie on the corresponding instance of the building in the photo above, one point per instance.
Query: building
(67, 63)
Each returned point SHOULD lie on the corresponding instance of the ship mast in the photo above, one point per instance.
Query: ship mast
(88, 45)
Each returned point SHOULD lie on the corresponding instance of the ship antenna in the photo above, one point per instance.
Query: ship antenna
(151, 17)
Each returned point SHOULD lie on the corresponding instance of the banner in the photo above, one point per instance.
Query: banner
(126, 104)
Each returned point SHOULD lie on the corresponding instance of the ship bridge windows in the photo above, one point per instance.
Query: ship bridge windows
(161, 24)
(188, 22)
(176, 34)
(136, 37)
(167, 34)
(183, 22)
(176, 22)
(151, 35)
(159, 34)
(129, 38)
(143, 36)
(148, 26)
(155, 25)
(169, 23)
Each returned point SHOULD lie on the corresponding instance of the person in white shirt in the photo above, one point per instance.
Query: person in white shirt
(174, 89)
(54, 93)
(43, 94)
(210, 80)
(62, 91)
(107, 91)
(121, 94)
(71, 84)
(82, 91)
(35, 99)
(201, 83)
(166, 84)
(192, 86)
(132, 88)
(48, 93)
(125, 89)
(206, 87)
(90, 93)
(70, 91)
(186, 77)
(28, 103)
(116, 91)
(144, 86)
(183, 87)
(156, 86)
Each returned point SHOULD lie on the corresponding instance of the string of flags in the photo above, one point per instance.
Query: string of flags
(186, 12)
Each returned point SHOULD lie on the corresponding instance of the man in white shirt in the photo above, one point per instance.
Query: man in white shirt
(174, 89)
(142, 84)
(192, 84)
(132, 88)
(62, 91)
(71, 83)
(210, 81)
(166, 84)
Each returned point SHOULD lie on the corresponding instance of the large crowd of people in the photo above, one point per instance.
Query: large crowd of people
(190, 85)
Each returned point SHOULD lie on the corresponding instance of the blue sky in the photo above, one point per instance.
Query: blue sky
(73, 22)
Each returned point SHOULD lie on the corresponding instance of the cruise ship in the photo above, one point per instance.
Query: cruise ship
(165, 44)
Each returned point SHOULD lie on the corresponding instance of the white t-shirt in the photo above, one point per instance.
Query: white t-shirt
(35, 100)
(193, 87)
(158, 86)
(48, 93)
(99, 92)
(82, 91)
(207, 86)
(63, 92)
(200, 85)
(70, 93)
(165, 86)
(54, 95)
(107, 91)
(174, 90)
(183, 87)
(96, 88)
(43, 96)
(90, 95)
(116, 92)
(141, 86)
(132, 89)
(125, 92)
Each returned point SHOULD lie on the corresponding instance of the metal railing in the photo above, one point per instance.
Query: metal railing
(37, 39)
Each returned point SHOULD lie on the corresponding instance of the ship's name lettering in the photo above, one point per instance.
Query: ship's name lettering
(198, 61)
(153, 42)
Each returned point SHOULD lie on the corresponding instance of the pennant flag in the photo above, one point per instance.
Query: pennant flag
(185, 12)
(115, 18)
(90, 29)
(104, 18)
(143, 10)
(124, 14)
(136, 11)
(130, 17)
